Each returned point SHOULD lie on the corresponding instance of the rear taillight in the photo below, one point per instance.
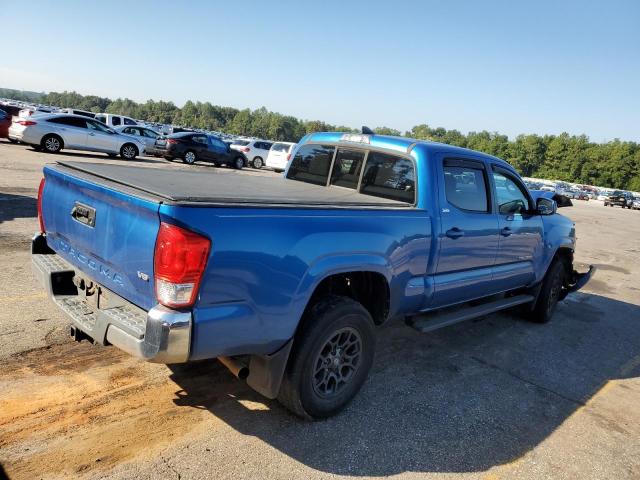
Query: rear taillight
(27, 123)
(179, 261)
(288, 157)
(171, 141)
(40, 217)
(245, 149)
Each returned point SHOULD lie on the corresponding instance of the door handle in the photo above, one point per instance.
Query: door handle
(505, 232)
(454, 233)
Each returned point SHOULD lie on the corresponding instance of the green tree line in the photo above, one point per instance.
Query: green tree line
(571, 158)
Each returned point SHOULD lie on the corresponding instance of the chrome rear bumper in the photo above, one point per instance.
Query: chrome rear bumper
(160, 335)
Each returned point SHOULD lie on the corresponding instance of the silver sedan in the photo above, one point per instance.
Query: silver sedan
(53, 132)
(142, 134)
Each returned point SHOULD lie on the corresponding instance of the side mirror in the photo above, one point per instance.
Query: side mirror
(546, 206)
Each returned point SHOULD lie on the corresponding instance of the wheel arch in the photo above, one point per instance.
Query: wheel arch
(365, 279)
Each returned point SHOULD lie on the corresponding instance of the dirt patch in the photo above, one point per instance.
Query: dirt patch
(74, 408)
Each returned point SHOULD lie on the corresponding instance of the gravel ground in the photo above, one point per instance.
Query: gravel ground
(492, 398)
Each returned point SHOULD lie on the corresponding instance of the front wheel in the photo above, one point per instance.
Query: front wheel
(331, 357)
(128, 151)
(550, 293)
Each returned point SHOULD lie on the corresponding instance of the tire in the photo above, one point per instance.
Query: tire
(129, 151)
(238, 163)
(257, 163)
(550, 293)
(333, 330)
(52, 143)
(12, 140)
(190, 157)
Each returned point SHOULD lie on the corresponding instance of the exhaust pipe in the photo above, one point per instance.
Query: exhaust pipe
(240, 370)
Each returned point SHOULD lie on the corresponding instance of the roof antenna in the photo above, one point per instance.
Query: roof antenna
(367, 131)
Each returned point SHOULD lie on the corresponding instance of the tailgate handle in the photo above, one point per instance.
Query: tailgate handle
(84, 214)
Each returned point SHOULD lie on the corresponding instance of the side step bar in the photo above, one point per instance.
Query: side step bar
(428, 323)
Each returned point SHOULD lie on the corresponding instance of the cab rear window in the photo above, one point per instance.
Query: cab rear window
(311, 164)
(369, 172)
(389, 176)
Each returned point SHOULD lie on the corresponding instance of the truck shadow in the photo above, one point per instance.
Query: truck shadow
(15, 205)
(463, 399)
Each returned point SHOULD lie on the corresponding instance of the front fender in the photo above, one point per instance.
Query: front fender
(559, 233)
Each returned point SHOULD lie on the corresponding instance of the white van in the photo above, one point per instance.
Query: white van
(114, 120)
(279, 155)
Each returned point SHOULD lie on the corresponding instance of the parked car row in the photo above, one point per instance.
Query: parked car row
(622, 199)
(120, 135)
(192, 147)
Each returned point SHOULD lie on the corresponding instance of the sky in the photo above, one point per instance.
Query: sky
(508, 66)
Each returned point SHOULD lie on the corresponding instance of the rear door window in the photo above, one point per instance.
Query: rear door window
(389, 176)
(466, 188)
(347, 167)
(311, 163)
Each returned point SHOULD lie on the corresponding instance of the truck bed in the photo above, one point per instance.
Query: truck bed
(222, 188)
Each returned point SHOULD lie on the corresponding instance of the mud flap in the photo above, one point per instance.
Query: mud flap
(266, 371)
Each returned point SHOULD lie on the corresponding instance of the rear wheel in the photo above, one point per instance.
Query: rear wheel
(190, 157)
(238, 163)
(128, 151)
(257, 163)
(51, 143)
(331, 357)
(550, 293)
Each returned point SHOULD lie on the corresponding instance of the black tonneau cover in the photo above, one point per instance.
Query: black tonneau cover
(225, 188)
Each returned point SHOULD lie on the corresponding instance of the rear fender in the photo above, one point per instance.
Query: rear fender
(333, 265)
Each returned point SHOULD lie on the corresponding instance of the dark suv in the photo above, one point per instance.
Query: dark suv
(192, 147)
(620, 198)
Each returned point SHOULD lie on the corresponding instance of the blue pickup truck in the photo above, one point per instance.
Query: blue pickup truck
(285, 279)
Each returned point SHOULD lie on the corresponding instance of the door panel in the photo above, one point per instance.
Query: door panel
(99, 138)
(101, 141)
(73, 136)
(520, 232)
(469, 233)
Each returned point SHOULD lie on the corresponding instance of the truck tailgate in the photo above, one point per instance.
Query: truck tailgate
(107, 234)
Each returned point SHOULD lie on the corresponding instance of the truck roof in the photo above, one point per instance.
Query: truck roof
(398, 144)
